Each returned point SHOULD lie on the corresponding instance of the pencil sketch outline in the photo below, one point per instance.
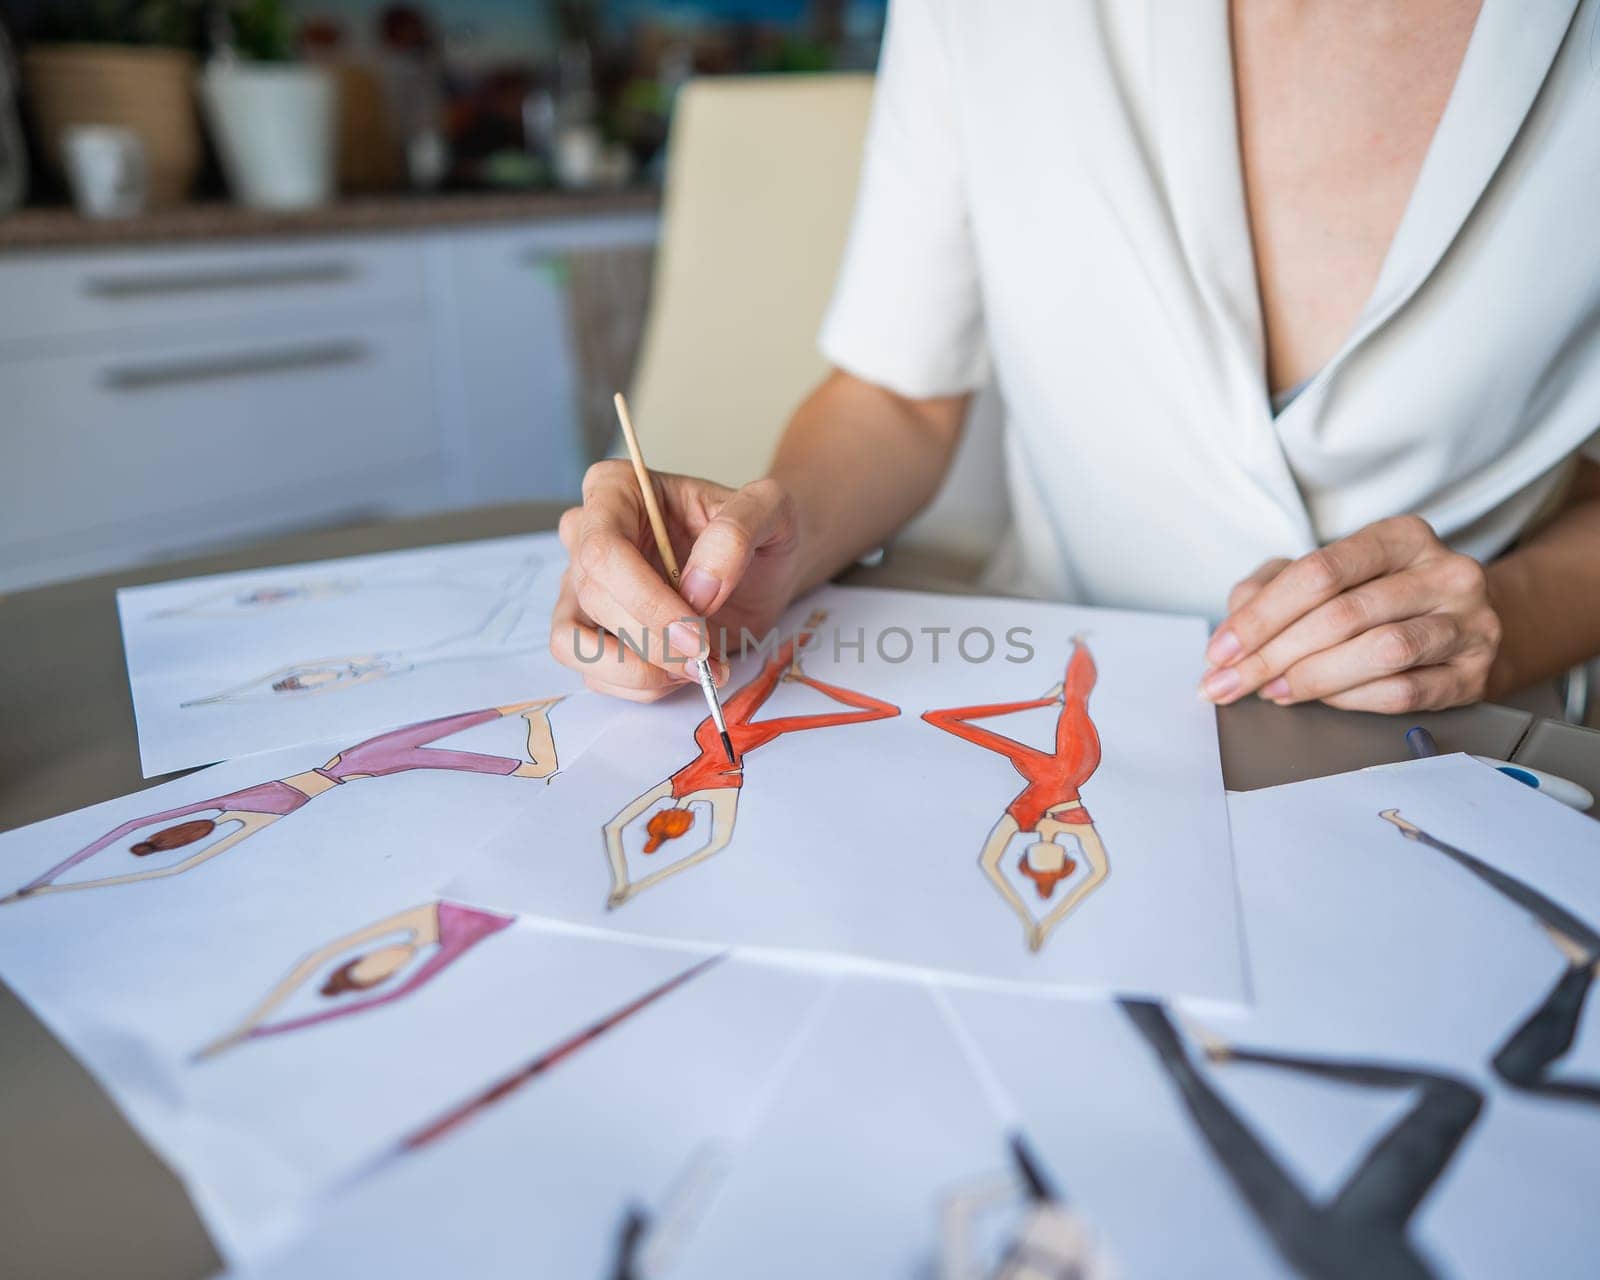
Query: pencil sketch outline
(490, 637)
(1052, 1242)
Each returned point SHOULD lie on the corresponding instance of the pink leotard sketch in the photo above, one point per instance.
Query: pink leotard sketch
(383, 962)
(212, 826)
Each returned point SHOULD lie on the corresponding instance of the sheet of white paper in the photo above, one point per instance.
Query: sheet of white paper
(226, 666)
(880, 1154)
(641, 1124)
(863, 839)
(136, 977)
(1371, 951)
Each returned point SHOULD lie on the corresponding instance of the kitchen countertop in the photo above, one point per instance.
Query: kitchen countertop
(59, 227)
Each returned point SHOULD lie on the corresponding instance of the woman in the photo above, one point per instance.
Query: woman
(443, 930)
(710, 780)
(256, 808)
(1310, 285)
(1527, 1058)
(1362, 1227)
(1048, 808)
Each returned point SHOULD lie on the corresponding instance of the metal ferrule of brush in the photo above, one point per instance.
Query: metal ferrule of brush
(702, 671)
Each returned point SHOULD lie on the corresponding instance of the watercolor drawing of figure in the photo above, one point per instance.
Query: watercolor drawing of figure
(374, 966)
(138, 849)
(490, 637)
(1065, 861)
(1362, 1230)
(709, 784)
(1049, 1241)
(1526, 1059)
(243, 602)
(649, 1238)
(237, 602)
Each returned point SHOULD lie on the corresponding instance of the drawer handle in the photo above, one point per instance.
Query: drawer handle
(158, 284)
(244, 365)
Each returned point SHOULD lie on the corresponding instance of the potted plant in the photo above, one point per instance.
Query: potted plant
(272, 118)
(128, 63)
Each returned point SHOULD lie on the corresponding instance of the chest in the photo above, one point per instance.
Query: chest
(1337, 106)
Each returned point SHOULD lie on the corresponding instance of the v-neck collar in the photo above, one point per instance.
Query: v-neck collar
(1505, 65)
(1507, 58)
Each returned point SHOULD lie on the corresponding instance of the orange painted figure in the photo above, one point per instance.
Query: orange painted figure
(709, 779)
(1049, 806)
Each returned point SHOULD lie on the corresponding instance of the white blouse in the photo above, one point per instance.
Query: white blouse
(1052, 193)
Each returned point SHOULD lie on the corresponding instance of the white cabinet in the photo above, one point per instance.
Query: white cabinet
(157, 403)
(147, 454)
(510, 389)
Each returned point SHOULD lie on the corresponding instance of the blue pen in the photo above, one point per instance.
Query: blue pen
(1569, 793)
(1421, 743)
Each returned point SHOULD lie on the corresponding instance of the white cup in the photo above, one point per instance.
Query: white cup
(106, 170)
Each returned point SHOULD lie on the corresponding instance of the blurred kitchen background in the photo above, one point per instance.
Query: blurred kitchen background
(271, 265)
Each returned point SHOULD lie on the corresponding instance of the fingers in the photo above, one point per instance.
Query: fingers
(755, 520)
(1315, 579)
(607, 665)
(1381, 652)
(1373, 604)
(615, 588)
(1389, 617)
(1420, 689)
(1246, 590)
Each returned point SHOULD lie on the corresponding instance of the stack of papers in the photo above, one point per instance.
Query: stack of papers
(971, 966)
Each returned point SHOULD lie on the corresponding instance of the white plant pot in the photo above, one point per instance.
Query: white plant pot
(275, 131)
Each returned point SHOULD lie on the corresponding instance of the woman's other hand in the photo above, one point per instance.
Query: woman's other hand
(1389, 619)
(737, 549)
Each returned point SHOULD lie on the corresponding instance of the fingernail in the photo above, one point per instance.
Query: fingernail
(685, 640)
(1224, 647)
(719, 672)
(1275, 689)
(1220, 683)
(699, 589)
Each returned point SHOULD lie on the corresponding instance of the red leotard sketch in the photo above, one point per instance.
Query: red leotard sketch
(1048, 808)
(709, 780)
(1525, 1060)
(218, 824)
(377, 965)
(491, 637)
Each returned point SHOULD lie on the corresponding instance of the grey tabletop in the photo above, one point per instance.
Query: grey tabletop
(80, 1194)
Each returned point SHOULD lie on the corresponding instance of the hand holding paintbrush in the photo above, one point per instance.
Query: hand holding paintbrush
(669, 561)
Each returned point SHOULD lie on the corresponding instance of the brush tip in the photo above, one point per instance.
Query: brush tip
(727, 746)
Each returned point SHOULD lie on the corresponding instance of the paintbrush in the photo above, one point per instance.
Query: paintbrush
(702, 668)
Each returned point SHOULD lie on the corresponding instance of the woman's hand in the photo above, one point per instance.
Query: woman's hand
(737, 548)
(1389, 619)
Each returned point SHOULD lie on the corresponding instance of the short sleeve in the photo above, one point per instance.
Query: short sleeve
(906, 312)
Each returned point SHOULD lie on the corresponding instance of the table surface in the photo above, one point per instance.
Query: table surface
(80, 1194)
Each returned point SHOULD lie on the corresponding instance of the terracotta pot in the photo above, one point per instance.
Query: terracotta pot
(150, 91)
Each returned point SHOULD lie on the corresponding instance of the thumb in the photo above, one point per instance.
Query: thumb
(756, 517)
